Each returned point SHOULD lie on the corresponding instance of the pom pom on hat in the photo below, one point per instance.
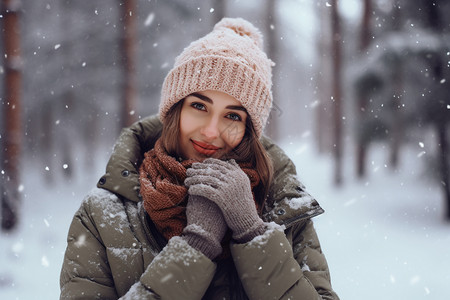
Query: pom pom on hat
(230, 59)
(243, 28)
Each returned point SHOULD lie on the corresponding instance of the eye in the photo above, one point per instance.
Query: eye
(198, 106)
(234, 117)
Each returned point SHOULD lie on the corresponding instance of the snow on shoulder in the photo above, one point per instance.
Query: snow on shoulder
(109, 206)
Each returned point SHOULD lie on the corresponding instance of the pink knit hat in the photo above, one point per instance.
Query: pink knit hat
(230, 59)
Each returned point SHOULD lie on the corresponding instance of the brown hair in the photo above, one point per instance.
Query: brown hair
(250, 150)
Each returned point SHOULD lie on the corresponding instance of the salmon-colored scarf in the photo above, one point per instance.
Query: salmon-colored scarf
(164, 193)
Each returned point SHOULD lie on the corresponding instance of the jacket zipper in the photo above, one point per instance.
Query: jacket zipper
(149, 232)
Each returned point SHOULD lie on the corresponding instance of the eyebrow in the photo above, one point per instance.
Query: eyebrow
(209, 100)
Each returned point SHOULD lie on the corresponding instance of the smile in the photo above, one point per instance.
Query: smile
(205, 149)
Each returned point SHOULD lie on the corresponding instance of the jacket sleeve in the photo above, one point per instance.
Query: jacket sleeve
(85, 272)
(178, 272)
(308, 254)
(269, 268)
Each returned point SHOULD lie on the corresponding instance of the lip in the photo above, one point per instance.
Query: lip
(203, 148)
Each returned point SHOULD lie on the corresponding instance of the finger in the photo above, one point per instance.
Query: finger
(201, 166)
(202, 180)
(233, 163)
(209, 164)
(194, 202)
(204, 191)
(212, 160)
(217, 172)
(198, 165)
(202, 204)
(217, 162)
(229, 169)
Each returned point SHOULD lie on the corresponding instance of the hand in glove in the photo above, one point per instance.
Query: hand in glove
(206, 226)
(224, 183)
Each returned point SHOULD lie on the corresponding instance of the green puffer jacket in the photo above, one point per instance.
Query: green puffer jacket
(114, 250)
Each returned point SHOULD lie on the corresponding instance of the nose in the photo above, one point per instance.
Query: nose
(210, 129)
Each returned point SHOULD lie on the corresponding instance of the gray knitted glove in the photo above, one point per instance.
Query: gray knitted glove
(206, 226)
(224, 183)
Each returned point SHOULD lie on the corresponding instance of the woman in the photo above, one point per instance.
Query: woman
(190, 219)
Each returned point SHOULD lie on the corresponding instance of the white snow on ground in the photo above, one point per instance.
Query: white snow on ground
(384, 237)
(31, 256)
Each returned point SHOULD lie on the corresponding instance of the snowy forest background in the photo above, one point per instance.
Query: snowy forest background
(361, 91)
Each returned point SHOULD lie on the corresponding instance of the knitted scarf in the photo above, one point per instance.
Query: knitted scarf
(164, 193)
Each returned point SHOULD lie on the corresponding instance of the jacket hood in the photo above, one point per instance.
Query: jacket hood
(287, 203)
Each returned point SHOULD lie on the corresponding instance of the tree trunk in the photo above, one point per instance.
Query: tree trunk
(47, 142)
(361, 156)
(12, 137)
(67, 104)
(337, 93)
(323, 109)
(128, 110)
(361, 143)
(68, 163)
(366, 32)
(443, 161)
(396, 132)
(272, 129)
(397, 126)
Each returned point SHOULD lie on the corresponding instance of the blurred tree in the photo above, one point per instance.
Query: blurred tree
(63, 81)
(47, 138)
(410, 70)
(437, 113)
(437, 108)
(12, 135)
(323, 111)
(128, 107)
(337, 91)
(373, 126)
(363, 95)
(380, 120)
(397, 128)
(67, 97)
(271, 36)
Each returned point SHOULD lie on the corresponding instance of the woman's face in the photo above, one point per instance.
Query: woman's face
(212, 124)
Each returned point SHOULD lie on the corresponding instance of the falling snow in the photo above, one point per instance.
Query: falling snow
(384, 234)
